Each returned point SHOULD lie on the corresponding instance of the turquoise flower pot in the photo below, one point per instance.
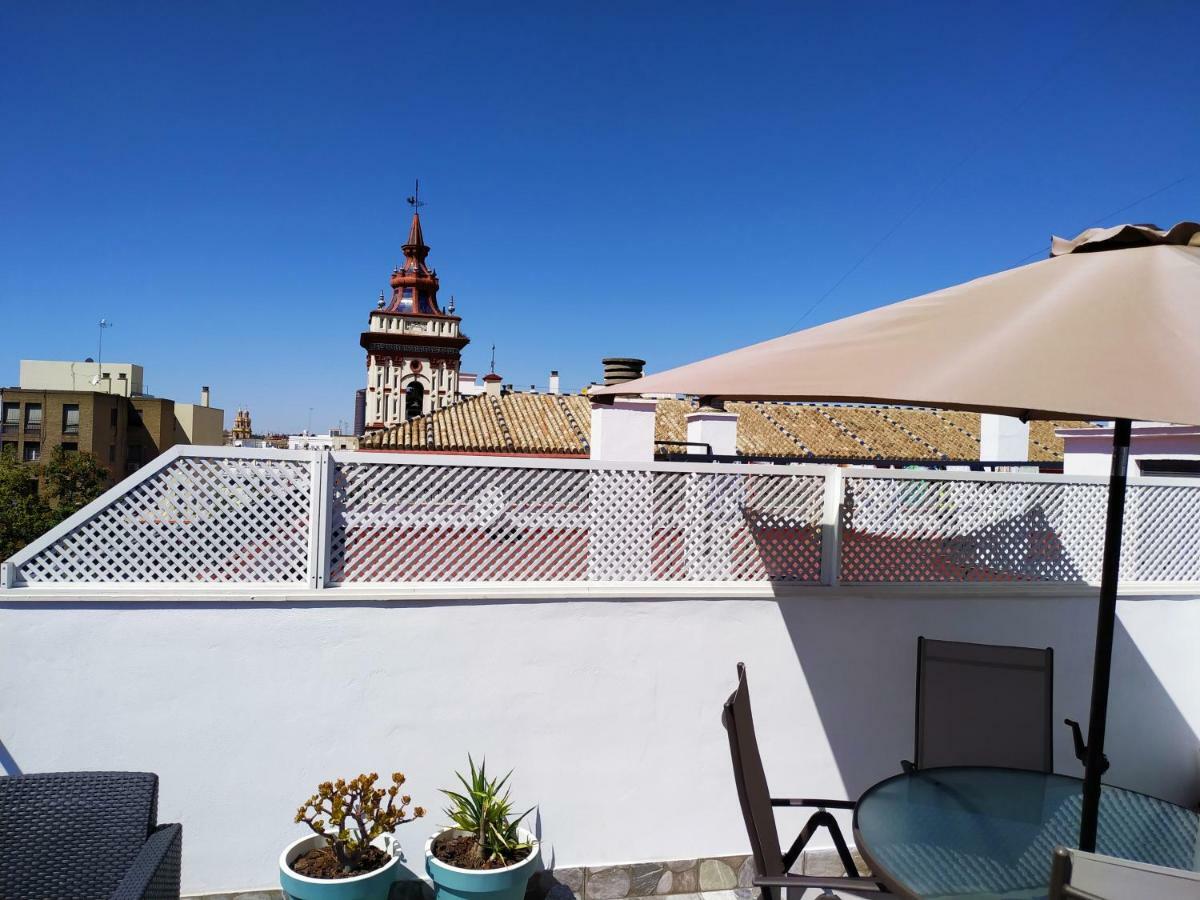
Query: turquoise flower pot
(509, 883)
(371, 886)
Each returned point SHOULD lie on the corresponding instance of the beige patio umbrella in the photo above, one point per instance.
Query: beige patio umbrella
(1107, 328)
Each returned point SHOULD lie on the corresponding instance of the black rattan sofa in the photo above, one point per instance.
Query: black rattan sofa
(86, 835)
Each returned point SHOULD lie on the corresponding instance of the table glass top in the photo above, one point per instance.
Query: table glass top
(962, 831)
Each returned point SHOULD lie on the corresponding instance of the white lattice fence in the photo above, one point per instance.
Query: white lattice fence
(1042, 529)
(224, 515)
(1162, 534)
(449, 523)
(196, 519)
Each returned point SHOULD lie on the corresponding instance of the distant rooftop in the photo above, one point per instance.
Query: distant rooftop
(550, 424)
(102, 377)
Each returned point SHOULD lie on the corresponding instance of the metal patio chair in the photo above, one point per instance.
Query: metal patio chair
(86, 835)
(983, 705)
(1075, 875)
(770, 861)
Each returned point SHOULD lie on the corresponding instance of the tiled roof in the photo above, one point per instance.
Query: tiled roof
(561, 424)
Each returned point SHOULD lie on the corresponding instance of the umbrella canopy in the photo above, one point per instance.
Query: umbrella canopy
(1107, 328)
(1084, 334)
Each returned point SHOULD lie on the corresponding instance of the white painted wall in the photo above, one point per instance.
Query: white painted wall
(1088, 451)
(623, 431)
(608, 710)
(718, 429)
(1003, 438)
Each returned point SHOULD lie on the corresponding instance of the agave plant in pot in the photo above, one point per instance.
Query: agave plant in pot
(484, 854)
(352, 853)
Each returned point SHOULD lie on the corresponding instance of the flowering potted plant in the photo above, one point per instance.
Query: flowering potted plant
(352, 853)
(485, 854)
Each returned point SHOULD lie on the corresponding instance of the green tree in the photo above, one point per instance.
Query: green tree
(24, 514)
(71, 480)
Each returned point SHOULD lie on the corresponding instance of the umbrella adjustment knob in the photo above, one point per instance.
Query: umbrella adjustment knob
(1081, 748)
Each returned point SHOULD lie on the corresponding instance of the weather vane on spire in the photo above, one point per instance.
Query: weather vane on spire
(493, 359)
(415, 200)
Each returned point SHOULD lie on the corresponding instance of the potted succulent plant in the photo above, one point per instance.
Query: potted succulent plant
(352, 853)
(484, 854)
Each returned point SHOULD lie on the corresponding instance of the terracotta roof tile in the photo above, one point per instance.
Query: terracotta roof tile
(561, 424)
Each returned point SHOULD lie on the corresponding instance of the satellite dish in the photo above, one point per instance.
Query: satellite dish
(95, 379)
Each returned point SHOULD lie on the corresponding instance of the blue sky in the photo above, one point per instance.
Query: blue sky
(226, 181)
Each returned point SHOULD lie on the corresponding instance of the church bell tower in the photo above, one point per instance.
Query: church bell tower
(413, 347)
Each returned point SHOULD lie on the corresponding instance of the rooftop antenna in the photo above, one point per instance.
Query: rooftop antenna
(493, 359)
(102, 324)
(415, 200)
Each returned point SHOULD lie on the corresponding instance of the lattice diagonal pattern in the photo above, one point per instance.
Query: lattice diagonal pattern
(197, 520)
(402, 523)
(918, 530)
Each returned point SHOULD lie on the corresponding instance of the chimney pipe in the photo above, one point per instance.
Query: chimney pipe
(554, 381)
(204, 395)
(619, 369)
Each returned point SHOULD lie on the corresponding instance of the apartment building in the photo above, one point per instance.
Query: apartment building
(123, 429)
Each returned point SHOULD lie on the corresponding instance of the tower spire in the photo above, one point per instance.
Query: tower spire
(415, 236)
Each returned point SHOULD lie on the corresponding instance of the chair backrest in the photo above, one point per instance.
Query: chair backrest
(73, 834)
(1076, 875)
(751, 780)
(984, 705)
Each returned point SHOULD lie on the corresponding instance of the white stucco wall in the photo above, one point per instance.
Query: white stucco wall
(1089, 451)
(623, 431)
(608, 710)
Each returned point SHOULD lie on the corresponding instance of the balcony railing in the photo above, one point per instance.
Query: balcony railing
(199, 515)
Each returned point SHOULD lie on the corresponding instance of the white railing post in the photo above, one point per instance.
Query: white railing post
(320, 519)
(831, 527)
(8, 575)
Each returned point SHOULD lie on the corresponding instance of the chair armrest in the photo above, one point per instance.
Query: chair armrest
(154, 874)
(830, 804)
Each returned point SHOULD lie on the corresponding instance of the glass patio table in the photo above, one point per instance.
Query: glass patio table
(966, 831)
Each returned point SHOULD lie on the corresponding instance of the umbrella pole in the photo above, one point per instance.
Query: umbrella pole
(1105, 625)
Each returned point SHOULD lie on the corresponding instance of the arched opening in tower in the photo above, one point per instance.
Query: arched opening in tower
(414, 400)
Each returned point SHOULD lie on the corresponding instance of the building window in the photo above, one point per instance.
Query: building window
(69, 447)
(406, 300)
(33, 417)
(112, 453)
(70, 418)
(33, 451)
(12, 418)
(9, 447)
